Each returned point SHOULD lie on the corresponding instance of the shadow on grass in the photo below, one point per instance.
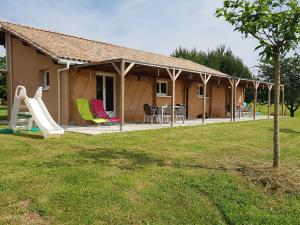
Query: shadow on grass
(27, 135)
(121, 158)
(289, 131)
(286, 131)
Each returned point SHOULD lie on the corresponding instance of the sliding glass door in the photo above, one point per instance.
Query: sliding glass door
(105, 90)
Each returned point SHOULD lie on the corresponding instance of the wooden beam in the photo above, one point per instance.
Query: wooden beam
(185, 95)
(205, 78)
(177, 74)
(128, 68)
(202, 78)
(235, 85)
(116, 68)
(122, 71)
(122, 93)
(173, 75)
(170, 74)
(237, 82)
(208, 78)
(234, 99)
(204, 103)
(256, 84)
(269, 99)
(173, 98)
(231, 82)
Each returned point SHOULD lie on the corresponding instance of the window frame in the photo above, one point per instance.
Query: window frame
(199, 88)
(159, 91)
(46, 80)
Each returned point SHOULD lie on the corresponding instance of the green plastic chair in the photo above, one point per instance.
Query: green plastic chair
(85, 112)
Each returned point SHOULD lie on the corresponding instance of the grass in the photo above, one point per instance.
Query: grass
(213, 174)
(3, 112)
(263, 109)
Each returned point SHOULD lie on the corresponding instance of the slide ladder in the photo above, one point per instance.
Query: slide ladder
(38, 114)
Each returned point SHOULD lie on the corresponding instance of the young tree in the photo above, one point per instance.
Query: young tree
(276, 25)
(290, 77)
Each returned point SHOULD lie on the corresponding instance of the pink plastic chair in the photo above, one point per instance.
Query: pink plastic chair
(99, 111)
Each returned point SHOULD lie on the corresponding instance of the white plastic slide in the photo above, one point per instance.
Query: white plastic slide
(38, 111)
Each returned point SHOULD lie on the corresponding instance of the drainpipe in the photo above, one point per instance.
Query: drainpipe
(58, 89)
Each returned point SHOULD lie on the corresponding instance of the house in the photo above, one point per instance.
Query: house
(70, 67)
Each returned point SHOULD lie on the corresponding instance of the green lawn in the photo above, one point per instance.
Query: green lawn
(3, 112)
(263, 108)
(213, 174)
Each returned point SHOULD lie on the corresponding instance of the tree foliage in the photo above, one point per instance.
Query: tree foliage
(221, 59)
(276, 25)
(2, 79)
(290, 78)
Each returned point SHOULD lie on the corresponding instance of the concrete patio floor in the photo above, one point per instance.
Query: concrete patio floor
(95, 130)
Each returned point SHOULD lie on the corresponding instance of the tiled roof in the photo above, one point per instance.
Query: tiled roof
(61, 46)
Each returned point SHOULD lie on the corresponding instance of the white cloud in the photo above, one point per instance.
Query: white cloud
(157, 25)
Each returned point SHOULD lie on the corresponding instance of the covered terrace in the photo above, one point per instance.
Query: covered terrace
(122, 67)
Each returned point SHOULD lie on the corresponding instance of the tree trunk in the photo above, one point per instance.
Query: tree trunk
(276, 158)
(292, 113)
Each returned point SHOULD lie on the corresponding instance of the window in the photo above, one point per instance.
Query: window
(46, 80)
(162, 88)
(200, 90)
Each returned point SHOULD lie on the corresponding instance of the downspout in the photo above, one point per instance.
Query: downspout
(59, 91)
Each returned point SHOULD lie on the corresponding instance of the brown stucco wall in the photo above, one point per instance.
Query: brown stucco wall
(221, 96)
(139, 91)
(82, 85)
(65, 97)
(26, 67)
(240, 96)
(195, 103)
(218, 101)
(179, 94)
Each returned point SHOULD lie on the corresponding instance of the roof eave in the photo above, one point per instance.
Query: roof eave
(31, 43)
(150, 64)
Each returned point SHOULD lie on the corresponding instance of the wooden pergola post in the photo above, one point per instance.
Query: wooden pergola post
(173, 75)
(255, 84)
(122, 71)
(282, 103)
(269, 99)
(231, 81)
(185, 95)
(205, 78)
(236, 83)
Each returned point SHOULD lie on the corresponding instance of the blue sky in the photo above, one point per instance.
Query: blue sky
(153, 25)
